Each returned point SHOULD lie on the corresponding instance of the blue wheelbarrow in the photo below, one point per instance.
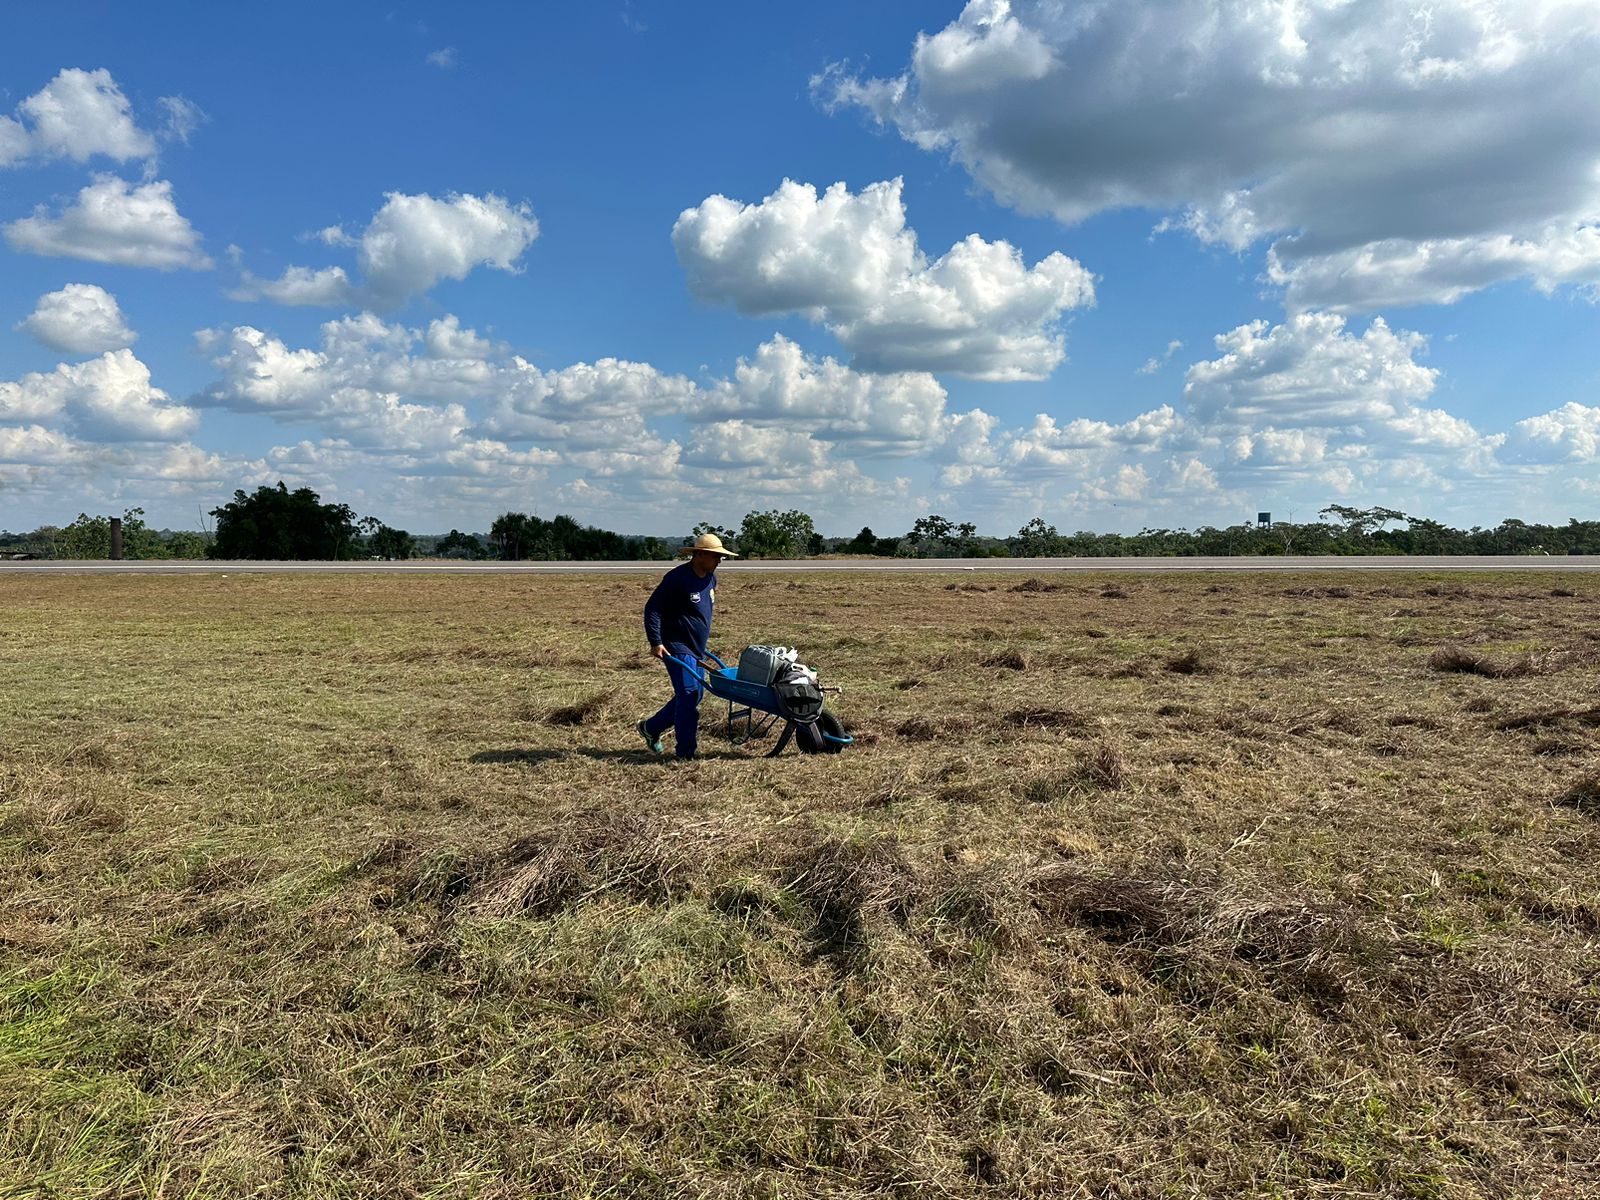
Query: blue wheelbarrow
(754, 708)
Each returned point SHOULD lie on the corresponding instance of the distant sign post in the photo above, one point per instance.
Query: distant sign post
(1264, 520)
(116, 537)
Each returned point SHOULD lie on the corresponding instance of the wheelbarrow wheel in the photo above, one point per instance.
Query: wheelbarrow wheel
(825, 736)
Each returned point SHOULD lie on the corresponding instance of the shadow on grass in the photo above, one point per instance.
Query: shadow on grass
(535, 757)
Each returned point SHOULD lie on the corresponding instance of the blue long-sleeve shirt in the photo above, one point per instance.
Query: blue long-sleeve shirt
(680, 609)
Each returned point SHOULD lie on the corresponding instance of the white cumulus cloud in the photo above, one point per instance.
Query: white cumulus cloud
(113, 221)
(1311, 400)
(586, 406)
(411, 244)
(325, 288)
(34, 445)
(108, 399)
(1309, 371)
(81, 318)
(1398, 271)
(415, 242)
(445, 401)
(739, 444)
(183, 462)
(1282, 416)
(850, 262)
(1389, 153)
(781, 384)
(1052, 446)
(77, 115)
(363, 386)
(1570, 433)
(1286, 417)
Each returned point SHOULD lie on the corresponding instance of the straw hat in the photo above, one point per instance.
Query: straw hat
(708, 543)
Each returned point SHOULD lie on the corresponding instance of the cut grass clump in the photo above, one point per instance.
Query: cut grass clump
(940, 728)
(582, 712)
(1463, 662)
(1049, 786)
(435, 880)
(1315, 593)
(1189, 662)
(1062, 719)
(1323, 950)
(849, 885)
(1009, 659)
(1116, 908)
(605, 852)
(1583, 796)
(1455, 659)
(1101, 768)
(987, 902)
(1556, 748)
(82, 808)
(1414, 720)
(1193, 939)
(1545, 717)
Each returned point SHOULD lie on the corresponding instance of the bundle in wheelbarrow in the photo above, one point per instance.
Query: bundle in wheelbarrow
(769, 685)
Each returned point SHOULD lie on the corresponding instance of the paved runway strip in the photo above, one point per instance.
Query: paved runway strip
(1521, 562)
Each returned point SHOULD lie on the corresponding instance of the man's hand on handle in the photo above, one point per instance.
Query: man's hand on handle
(659, 651)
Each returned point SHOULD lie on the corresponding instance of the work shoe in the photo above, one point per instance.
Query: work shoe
(653, 742)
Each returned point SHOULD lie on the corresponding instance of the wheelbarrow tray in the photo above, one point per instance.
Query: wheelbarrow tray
(746, 698)
(726, 685)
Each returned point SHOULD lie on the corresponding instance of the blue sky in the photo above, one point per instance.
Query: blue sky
(651, 264)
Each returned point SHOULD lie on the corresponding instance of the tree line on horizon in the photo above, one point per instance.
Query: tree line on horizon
(274, 523)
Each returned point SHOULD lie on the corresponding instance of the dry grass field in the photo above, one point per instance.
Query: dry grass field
(1133, 886)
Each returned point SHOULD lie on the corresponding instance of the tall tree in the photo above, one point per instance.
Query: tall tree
(510, 536)
(90, 537)
(391, 543)
(936, 535)
(186, 543)
(775, 534)
(276, 523)
(722, 531)
(865, 542)
(1036, 540)
(456, 544)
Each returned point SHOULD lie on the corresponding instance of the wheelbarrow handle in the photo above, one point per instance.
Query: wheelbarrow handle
(694, 669)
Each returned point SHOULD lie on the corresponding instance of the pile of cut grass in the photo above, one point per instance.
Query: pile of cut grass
(354, 886)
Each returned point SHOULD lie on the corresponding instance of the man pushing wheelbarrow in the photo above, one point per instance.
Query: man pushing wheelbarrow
(769, 684)
(677, 624)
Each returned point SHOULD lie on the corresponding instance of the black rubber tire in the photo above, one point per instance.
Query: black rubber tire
(828, 726)
(809, 740)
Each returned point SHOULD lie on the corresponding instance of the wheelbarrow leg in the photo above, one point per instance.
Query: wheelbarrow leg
(788, 732)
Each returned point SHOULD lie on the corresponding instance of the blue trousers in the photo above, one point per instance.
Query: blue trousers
(682, 712)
